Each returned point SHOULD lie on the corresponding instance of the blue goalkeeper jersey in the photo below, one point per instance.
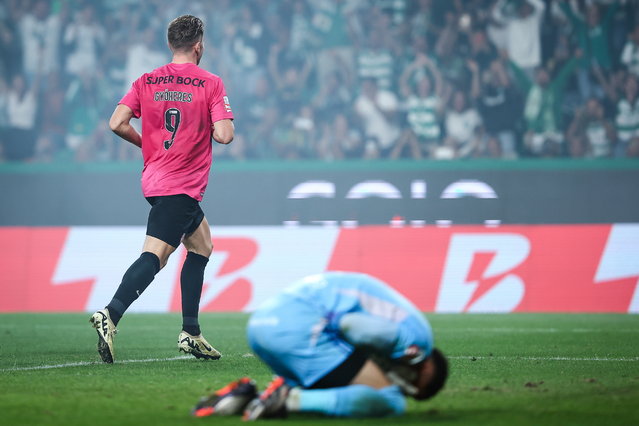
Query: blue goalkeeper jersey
(297, 333)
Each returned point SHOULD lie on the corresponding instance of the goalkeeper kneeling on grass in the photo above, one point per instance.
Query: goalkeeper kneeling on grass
(341, 344)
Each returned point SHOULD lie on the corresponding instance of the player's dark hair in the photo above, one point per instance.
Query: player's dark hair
(184, 31)
(439, 376)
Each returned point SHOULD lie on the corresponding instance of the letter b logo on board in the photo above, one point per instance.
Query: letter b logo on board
(476, 274)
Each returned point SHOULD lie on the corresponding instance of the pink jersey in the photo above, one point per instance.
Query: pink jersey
(178, 104)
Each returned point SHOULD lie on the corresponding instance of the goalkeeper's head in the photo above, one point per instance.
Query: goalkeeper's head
(432, 375)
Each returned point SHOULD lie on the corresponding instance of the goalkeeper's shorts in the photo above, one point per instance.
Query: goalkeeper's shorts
(294, 339)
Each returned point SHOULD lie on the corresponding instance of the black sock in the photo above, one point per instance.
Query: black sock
(136, 279)
(191, 280)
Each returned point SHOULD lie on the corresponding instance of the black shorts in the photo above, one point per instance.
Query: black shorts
(172, 217)
(344, 373)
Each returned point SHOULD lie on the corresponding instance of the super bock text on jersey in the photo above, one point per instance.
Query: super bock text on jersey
(187, 81)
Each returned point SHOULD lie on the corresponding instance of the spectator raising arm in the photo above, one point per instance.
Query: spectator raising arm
(420, 61)
(559, 82)
(475, 85)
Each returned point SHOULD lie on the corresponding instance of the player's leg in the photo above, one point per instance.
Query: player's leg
(135, 280)
(168, 219)
(199, 247)
(370, 394)
(140, 274)
(348, 401)
(166, 225)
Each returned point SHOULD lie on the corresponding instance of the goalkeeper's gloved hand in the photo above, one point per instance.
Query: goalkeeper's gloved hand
(403, 371)
(413, 355)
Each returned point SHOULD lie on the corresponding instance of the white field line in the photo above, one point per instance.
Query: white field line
(534, 330)
(546, 358)
(440, 329)
(467, 357)
(86, 363)
(13, 326)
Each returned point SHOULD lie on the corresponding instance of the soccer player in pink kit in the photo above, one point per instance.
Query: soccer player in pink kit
(183, 107)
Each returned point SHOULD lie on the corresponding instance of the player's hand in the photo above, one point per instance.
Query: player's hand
(413, 355)
(402, 371)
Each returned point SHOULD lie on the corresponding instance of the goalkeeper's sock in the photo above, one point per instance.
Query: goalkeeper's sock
(135, 280)
(348, 401)
(191, 279)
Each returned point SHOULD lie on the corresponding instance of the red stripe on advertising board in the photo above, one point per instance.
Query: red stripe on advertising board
(410, 260)
(29, 258)
(540, 268)
(549, 268)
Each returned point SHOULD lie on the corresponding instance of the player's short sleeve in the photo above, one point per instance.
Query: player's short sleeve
(219, 105)
(132, 98)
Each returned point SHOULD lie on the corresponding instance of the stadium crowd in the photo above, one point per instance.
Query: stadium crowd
(335, 79)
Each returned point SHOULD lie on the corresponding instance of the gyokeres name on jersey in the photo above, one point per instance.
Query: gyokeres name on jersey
(168, 95)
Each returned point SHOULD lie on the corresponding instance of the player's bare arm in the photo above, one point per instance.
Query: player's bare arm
(223, 131)
(120, 124)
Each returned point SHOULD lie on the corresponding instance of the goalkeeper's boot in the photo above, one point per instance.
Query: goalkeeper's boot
(197, 346)
(271, 403)
(231, 399)
(105, 328)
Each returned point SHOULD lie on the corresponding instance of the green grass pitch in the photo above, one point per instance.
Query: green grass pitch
(514, 369)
